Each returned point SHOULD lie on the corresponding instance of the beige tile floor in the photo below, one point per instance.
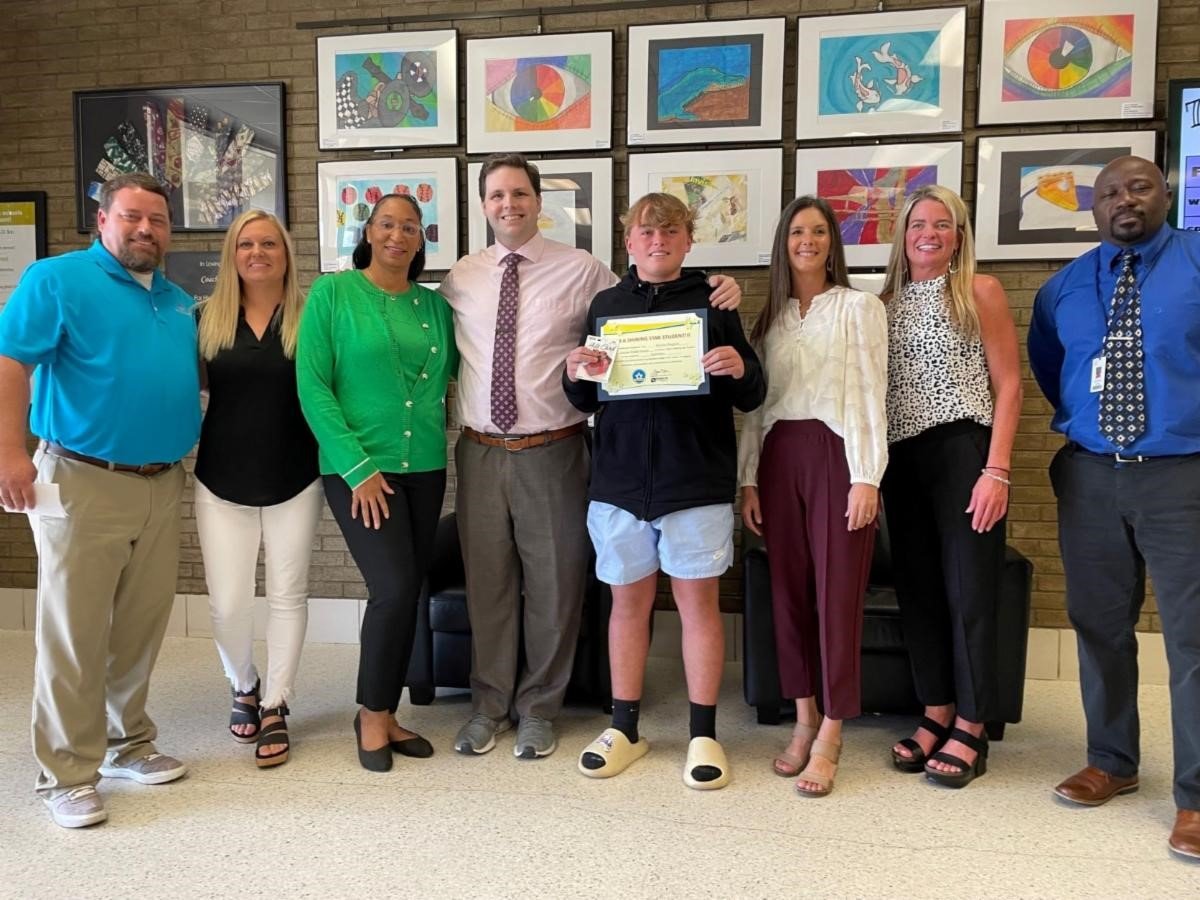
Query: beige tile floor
(495, 826)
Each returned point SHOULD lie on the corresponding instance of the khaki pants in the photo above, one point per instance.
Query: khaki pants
(106, 583)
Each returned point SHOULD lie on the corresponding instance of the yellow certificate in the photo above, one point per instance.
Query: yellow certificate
(658, 355)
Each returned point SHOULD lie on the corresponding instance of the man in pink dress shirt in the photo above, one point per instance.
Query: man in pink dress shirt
(522, 487)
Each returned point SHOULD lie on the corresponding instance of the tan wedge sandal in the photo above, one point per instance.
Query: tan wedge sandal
(788, 765)
(829, 751)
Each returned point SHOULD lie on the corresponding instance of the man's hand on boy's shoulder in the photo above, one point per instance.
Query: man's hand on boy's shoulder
(727, 293)
(724, 361)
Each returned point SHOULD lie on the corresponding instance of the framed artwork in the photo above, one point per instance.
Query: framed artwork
(1034, 192)
(1066, 60)
(218, 149)
(712, 82)
(1183, 152)
(734, 195)
(880, 73)
(867, 187)
(525, 94)
(577, 205)
(347, 191)
(22, 236)
(396, 89)
(870, 282)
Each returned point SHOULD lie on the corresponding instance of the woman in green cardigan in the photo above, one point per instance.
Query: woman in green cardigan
(375, 353)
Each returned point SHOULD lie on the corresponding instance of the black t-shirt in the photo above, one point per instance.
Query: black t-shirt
(255, 446)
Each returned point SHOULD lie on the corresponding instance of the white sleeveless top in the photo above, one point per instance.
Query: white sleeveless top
(935, 374)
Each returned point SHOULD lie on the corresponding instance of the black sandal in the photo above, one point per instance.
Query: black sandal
(245, 714)
(916, 762)
(970, 771)
(273, 733)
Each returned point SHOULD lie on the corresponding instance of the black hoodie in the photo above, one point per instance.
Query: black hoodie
(652, 456)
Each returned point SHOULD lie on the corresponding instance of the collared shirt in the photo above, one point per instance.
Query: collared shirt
(1070, 324)
(557, 283)
(830, 365)
(116, 373)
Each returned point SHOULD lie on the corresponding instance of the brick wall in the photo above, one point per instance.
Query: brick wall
(49, 48)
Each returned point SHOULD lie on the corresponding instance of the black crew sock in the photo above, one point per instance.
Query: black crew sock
(625, 717)
(702, 720)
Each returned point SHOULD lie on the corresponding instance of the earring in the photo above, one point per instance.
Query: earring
(953, 268)
(829, 264)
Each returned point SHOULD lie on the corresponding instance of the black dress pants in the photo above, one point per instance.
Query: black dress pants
(947, 575)
(1114, 521)
(393, 561)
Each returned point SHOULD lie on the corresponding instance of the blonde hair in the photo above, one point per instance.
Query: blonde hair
(219, 313)
(659, 211)
(961, 275)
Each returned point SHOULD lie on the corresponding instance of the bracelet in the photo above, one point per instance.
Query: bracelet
(998, 469)
(986, 474)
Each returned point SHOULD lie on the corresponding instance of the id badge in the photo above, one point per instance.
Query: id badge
(1098, 365)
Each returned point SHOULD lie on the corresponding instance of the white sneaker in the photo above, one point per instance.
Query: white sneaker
(77, 808)
(153, 768)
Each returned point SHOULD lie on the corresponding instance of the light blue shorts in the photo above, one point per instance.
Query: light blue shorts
(691, 543)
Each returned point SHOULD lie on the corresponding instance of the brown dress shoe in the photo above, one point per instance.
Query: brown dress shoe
(1093, 787)
(1185, 836)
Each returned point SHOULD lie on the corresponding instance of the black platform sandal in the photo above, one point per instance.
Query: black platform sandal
(245, 714)
(916, 762)
(970, 771)
(270, 734)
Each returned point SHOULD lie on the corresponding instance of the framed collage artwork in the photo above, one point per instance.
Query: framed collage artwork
(525, 94)
(880, 73)
(1066, 60)
(1183, 152)
(715, 82)
(577, 205)
(346, 192)
(1034, 192)
(734, 195)
(867, 187)
(396, 89)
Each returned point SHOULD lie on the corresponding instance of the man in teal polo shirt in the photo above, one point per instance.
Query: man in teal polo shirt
(111, 348)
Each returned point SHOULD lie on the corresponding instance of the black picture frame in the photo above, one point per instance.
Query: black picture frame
(17, 208)
(1182, 153)
(220, 149)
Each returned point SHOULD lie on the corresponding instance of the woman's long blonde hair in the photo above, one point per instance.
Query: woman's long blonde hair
(219, 313)
(961, 277)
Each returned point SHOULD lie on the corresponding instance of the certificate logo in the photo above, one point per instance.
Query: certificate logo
(639, 375)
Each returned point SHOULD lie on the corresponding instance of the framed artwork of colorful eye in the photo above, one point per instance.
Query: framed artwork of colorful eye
(540, 93)
(1066, 60)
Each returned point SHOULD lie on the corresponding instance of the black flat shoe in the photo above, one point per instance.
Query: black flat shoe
(372, 760)
(916, 762)
(970, 771)
(416, 747)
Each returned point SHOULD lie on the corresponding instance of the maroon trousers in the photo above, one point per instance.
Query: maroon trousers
(818, 569)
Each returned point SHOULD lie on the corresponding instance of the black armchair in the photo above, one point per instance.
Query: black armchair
(887, 683)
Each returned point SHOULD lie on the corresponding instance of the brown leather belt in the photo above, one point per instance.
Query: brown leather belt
(147, 469)
(513, 443)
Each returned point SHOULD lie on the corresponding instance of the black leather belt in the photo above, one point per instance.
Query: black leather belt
(1119, 457)
(147, 469)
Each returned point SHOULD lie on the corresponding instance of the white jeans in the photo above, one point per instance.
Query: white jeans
(230, 535)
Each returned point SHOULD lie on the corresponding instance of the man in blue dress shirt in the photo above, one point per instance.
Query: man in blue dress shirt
(111, 348)
(1115, 346)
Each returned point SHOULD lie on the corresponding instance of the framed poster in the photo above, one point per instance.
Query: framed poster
(1183, 152)
(1034, 193)
(22, 236)
(525, 94)
(347, 191)
(867, 187)
(880, 73)
(219, 149)
(396, 89)
(734, 195)
(577, 205)
(1066, 60)
(195, 271)
(713, 82)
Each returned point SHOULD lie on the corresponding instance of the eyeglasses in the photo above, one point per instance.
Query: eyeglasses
(408, 229)
(135, 218)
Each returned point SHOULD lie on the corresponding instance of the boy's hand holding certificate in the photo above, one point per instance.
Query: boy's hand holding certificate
(598, 365)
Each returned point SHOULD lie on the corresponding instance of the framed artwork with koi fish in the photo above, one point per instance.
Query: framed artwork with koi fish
(880, 73)
(347, 191)
(706, 82)
(218, 149)
(1066, 60)
(540, 93)
(396, 89)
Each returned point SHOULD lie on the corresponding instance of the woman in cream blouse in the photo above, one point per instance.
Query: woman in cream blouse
(817, 447)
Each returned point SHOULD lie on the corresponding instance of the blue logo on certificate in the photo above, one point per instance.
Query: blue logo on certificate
(639, 375)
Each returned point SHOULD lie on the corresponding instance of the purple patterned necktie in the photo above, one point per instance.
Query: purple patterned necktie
(504, 358)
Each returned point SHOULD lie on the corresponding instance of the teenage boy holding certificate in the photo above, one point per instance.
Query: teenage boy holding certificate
(664, 473)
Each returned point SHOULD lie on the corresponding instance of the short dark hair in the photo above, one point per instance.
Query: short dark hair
(362, 251)
(512, 161)
(133, 180)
